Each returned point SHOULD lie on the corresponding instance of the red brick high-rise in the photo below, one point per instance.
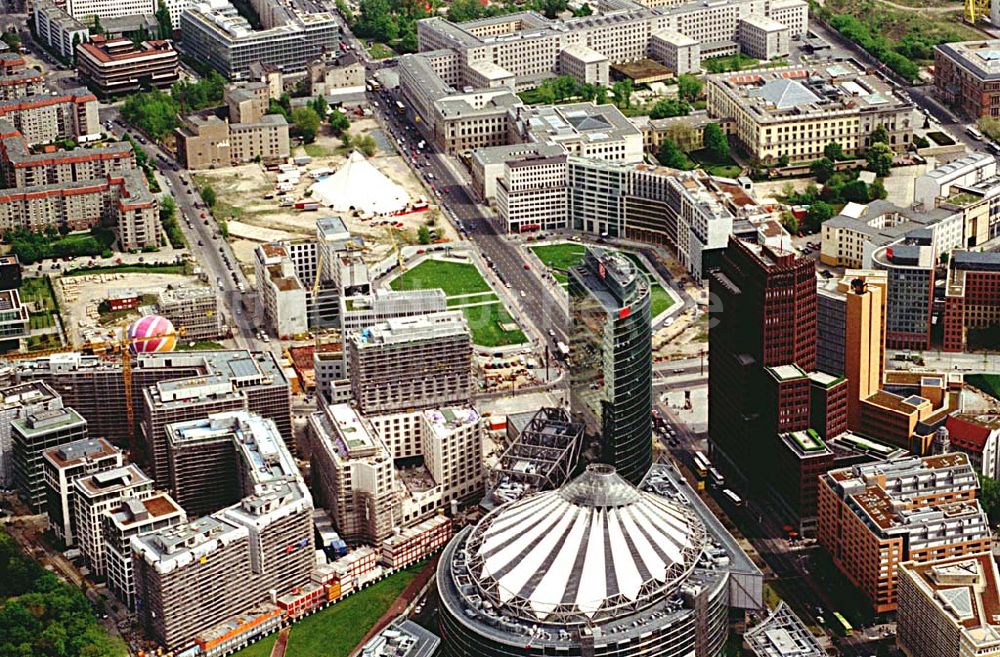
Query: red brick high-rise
(762, 341)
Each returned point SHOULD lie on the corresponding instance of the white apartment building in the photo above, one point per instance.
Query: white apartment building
(764, 38)
(585, 64)
(678, 52)
(96, 494)
(61, 466)
(18, 401)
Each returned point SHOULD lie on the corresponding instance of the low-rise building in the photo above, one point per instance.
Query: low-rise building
(795, 112)
(906, 413)
(205, 142)
(120, 66)
(782, 634)
(61, 466)
(874, 517)
(55, 28)
(346, 72)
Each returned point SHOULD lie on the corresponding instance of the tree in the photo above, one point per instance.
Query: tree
(366, 145)
(163, 21)
(339, 122)
(670, 155)
(822, 169)
(879, 158)
(584, 10)
(833, 152)
(668, 107)
(622, 91)
(155, 112)
(876, 190)
(880, 135)
(989, 127)
(208, 195)
(305, 121)
(424, 235)
(97, 27)
(716, 141)
(989, 496)
(12, 39)
(789, 222)
(76, 42)
(377, 21)
(855, 191)
(783, 160)
(464, 10)
(408, 41)
(346, 12)
(320, 106)
(689, 87)
(601, 95)
(819, 212)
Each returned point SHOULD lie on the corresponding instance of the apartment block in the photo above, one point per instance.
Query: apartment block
(202, 461)
(947, 607)
(411, 363)
(972, 298)
(20, 168)
(17, 80)
(16, 401)
(796, 111)
(31, 435)
(193, 576)
(218, 35)
(110, 9)
(195, 310)
(61, 466)
(874, 517)
(133, 516)
(44, 118)
(94, 495)
(977, 434)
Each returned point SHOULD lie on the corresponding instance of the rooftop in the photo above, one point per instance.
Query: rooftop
(404, 330)
(782, 634)
(79, 452)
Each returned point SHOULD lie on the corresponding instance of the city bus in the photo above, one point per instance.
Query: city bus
(842, 626)
(733, 498)
(974, 133)
(701, 465)
(400, 107)
(716, 478)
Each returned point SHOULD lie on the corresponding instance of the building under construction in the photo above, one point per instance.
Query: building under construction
(542, 457)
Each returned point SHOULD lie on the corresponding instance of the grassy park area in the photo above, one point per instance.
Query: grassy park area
(725, 167)
(563, 255)
(468, 291)
(988, 383)
(335, 631)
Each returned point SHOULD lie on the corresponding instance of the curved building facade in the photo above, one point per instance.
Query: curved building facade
(596, 567)
(611, 358)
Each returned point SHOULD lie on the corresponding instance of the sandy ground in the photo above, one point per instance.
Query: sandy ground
(243, 189)
(79, 297)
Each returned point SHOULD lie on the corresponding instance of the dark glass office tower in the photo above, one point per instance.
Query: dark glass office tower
(611, 359)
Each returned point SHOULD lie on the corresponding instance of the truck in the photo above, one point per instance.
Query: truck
(563, 348)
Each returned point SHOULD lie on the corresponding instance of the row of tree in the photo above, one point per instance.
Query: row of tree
(715, 143)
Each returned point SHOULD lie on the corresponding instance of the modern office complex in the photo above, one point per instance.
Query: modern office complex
(31, 435)
(966, 76)
(947, 607)
(797, 111)
(582, 129)
(110, 9)
(118, 66)
(215, 33)
(411, 362)
(874, 517)
(671, 595)
(379, 306)
(611, 360)
(910, 269)
(17, 401)
(133, 516)
(62, 465)
(194, 575)
(972, 298)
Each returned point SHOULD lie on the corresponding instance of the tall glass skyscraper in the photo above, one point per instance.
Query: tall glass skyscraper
(611, 359)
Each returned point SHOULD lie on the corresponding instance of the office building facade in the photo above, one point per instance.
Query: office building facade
(31, 435)
(94, 495)
(611, 361)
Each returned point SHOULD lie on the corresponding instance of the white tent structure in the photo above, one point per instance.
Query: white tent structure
(359, 187)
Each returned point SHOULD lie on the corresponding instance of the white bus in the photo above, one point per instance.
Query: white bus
(715, 478)
(701, 464)
(974, 133)
(733, 498)
(563, 348)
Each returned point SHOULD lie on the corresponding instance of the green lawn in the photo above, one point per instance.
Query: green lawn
(988, 383)
(659, 299)
(335, 631)
(203, 345)
(37, 290)
(41, 319)
(725, 167)
(380, 51)
(460, 278)
(316, 150)
(739, 62)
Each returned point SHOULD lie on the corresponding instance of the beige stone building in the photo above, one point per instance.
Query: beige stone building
(796, 111)
(208, 142)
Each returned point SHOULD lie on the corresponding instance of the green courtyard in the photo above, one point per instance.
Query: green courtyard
(561, 256)
(335, 631)
(466, 290)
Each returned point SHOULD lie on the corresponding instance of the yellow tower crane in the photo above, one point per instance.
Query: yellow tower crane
(976, 9)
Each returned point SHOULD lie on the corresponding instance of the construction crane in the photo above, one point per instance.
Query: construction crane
(395, 246)
(123, 346)
(976, 9)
